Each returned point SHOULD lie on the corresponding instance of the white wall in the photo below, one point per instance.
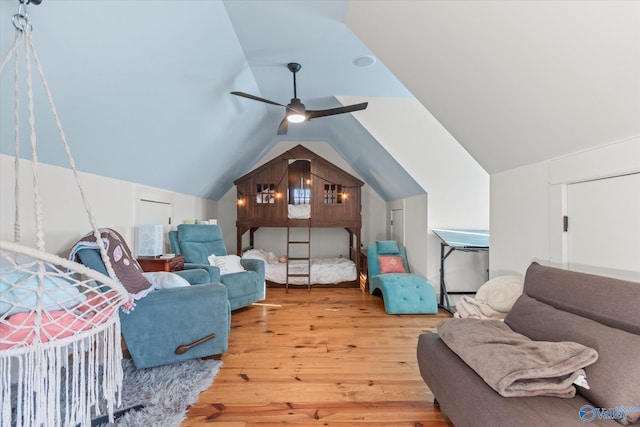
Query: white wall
(519, 218)
(112, 202)
(456, 185)
(325, 242)
(415, 232)
(527, 203)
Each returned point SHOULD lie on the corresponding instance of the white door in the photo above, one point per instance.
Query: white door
(155, 212)
(603, 235)
(397, 225)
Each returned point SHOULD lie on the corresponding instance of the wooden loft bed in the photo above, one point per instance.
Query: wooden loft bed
(299, 189)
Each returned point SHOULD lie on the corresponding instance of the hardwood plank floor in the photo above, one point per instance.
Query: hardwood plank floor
(329, 357)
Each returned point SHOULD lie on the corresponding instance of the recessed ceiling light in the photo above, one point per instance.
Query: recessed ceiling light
(364, 61)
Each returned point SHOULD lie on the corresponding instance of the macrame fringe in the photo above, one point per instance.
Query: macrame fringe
(54, 379)
(61, 383)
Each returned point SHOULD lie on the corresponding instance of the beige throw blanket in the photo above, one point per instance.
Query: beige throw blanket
(512, 364)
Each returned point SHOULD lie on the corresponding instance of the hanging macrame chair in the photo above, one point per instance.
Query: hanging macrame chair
(60, 350)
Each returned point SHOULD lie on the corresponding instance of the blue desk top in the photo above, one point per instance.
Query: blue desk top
(459, 238)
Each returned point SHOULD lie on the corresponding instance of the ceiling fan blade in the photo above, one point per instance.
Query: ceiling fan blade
(312, 114)
(284, 124)
(256, 98)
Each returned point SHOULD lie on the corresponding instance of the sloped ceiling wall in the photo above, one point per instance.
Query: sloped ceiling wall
(515, 82)
(139, 86)
(142, 87)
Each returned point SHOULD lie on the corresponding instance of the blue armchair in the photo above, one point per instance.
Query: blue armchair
(402, 292)
(197, 241)
(173, 325)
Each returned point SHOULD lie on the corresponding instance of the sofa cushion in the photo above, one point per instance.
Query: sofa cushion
(603, 299)
(468, 401)
(22, 291)
(614, 379)
(198, 241)
(385, 247)
(372, 256)
(405, 293)
(391, 264)
(195, 252)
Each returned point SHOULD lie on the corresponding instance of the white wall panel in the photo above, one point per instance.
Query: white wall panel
(527, 204)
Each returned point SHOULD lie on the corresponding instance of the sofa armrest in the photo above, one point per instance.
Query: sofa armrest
(214, 272)
(256, 265)
(168, 318)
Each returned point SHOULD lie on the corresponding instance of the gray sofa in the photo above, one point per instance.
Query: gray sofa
(556, 305)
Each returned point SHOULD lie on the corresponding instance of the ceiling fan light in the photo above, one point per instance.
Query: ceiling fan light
(294, 117)
(296, 111)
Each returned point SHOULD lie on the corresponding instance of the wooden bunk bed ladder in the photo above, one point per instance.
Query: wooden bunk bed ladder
(295, 248)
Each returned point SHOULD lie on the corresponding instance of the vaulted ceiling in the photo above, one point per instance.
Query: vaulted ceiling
(142, 87)
(515, 82)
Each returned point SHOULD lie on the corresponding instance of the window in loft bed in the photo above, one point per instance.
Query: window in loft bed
(301, 196)
(332, 194)
(265, 193)
(299, 181)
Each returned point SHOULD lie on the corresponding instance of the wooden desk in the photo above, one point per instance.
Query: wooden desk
(162, 264)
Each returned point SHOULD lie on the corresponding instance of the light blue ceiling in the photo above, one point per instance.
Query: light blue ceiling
(142, 88)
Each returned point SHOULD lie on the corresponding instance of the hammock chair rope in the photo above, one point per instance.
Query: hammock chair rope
(59, 324)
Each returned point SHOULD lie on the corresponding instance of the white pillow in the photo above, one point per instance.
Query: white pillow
(227, 263)
(266, 256)
(501, 292)
(165, 280)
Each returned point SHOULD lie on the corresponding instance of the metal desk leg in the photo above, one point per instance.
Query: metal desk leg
(444, 295)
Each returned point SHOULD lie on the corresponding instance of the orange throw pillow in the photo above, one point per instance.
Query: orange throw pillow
(391, 264)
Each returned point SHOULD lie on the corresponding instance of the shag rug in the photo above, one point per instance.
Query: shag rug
(165, 391)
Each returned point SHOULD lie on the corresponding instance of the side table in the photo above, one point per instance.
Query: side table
(175, 263)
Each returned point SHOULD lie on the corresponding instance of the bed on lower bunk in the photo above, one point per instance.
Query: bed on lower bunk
(301, 190)
(329, 272)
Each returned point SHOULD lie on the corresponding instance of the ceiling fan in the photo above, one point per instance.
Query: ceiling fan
(296, 112)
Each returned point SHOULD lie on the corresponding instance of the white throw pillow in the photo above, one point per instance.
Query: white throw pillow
(501, 292)
(165, 280)
(227, 263)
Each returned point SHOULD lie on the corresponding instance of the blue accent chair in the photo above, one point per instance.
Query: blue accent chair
(174, 325)
(197, 241)
(403, 293)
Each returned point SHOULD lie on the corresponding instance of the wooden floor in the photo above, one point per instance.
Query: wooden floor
(329, 357)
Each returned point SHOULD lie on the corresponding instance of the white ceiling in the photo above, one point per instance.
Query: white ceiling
(143, 86)
(515, 82)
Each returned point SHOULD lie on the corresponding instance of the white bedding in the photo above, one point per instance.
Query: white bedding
(300, 211)
(323, 270)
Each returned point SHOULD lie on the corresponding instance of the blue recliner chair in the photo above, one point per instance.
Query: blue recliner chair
(402, 292)
(173, 325)
(197, 241)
